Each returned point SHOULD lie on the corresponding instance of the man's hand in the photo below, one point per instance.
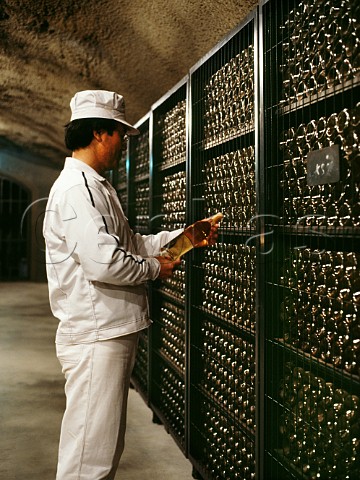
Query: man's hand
(167, 266)
(211, 239)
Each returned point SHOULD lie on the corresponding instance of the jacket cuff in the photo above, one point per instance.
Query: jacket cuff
(154, 268)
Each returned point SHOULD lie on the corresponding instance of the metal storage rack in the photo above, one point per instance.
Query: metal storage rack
(120, 182)
(139, 177)
(168, 194)
(310, 153)
(138, 174)
(253, 357)
(118, 178)
(221, 285)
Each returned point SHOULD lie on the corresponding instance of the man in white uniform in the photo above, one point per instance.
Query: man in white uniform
(97, 271)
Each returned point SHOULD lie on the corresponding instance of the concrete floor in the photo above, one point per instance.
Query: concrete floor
(32, 400)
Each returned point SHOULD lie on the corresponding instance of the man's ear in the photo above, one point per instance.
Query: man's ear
(98, 135)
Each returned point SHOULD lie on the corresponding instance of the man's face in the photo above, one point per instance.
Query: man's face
(116, 145)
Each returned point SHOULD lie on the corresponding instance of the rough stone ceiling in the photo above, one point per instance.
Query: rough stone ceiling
(49, 49)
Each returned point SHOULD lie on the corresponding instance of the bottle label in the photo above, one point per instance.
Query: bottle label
(177, 247)
(323, 166)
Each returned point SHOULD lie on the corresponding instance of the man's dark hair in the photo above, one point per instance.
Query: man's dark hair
(79, 133)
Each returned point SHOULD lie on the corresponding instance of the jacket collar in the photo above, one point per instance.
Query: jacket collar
(75, 164)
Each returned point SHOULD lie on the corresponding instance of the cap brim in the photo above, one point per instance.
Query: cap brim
(103, 113)
(130, 129)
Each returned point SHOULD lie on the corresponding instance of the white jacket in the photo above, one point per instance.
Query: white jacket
(97, 267)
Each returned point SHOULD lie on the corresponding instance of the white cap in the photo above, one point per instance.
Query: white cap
(100, 104)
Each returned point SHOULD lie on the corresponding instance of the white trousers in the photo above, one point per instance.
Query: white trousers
(93, 427)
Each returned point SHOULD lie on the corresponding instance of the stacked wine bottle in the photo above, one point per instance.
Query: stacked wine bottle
(332, 205)
(173, 128)
(229, 372)
(141, 156)
(172, 401)
(175, 285)
(228, 452)
(230, 188)
(321, 311)
(140, 372)
(229, 100)
(321, 48)
(320, 425)
(121, 173)
(172, 334)
(142, 206)
(174, 201)
(229, 283)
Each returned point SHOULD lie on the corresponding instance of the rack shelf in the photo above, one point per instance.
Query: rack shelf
(342, 375)
(319, 96)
